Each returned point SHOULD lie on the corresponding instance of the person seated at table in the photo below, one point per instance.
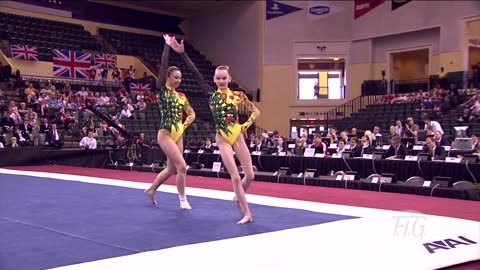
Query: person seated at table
(319, 145)
(207, 146)
(299, 147)
(258, 146)
(439, 139)
(355, 147)
(396, 150)
(281, 147)
(341, 146)
(435, 151)
(367, 148)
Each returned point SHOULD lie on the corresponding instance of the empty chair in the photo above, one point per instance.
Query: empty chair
(415, 181)
(464, 185)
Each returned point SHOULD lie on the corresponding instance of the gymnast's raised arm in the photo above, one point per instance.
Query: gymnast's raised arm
(180, 49)
(162, 76)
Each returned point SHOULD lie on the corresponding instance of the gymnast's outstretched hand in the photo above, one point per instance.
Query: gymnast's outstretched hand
(177, 47)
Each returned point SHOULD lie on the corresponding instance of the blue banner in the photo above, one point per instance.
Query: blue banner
(276, 9)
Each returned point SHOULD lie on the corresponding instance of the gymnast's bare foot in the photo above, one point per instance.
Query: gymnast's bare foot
(237, 203)
(151, 194)
(246, 219)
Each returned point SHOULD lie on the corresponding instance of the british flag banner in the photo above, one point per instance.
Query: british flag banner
(107, 60)
(24, 52)
(71, 64)
(139, 87)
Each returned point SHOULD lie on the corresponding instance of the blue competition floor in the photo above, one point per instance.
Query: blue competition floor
(46, 223)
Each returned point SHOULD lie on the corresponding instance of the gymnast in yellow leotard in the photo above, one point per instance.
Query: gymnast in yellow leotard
(224, 105)
(172, 105)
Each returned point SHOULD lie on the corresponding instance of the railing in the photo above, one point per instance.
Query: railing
(149, 66)
(5, 47)
(350, 107)
(108, 84)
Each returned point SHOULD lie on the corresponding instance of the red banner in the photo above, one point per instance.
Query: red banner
(362, 7)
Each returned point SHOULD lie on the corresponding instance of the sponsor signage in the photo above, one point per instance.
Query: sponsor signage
(276, 9)
(319, 10)
(362, 7)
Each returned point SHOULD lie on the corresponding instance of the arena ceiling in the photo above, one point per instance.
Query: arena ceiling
(182, 7)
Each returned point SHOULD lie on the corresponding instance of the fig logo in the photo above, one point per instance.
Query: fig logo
(319, 10)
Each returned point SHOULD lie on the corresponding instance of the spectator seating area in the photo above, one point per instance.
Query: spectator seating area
(381, 115)
(46, 35)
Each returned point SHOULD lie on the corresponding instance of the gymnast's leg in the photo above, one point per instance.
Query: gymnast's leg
(175, 163)
(181, 168)
(226, 153)
(245, 159)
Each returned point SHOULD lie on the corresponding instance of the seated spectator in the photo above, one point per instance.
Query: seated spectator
(396, 150)
(207, 146)
(367, 148)
(355, 147)
(54, 137)
(436, 152)
(439, 139)
(13, 143)
(88, 142)
(341, 146)
(319, 145)
(258, 146)
(281, 147)
(465, 117)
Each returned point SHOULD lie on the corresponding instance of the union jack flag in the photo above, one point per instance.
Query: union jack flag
(71, 64)
(139, 87)
(24, 52)
(108, 60)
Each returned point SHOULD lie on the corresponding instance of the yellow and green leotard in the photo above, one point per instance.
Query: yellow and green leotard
(224, 104)
(172, 105)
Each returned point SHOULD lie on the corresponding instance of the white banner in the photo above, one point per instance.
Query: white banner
(322, 9)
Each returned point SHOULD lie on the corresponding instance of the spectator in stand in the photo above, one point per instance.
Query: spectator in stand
(434, 125)
(116, 75)
(126, 113)
(411, 129)
(88, 142)
(54, 137)
(31, 93)
(465, 117)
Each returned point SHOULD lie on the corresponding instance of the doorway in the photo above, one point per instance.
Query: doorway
(410, 65)
(321, 78)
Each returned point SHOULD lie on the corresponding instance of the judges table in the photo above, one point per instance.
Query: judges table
(402, 169)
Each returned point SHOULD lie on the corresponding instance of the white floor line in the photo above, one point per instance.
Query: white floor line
(379, 239)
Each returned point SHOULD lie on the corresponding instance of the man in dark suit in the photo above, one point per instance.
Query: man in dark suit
(207, 147)
(54, 137)
(44, 126)
(396, 150)
(258, 146)
(435, 151)
(355, 147)
(440, 140)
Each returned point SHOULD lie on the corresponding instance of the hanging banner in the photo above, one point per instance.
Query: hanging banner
(276, 9)
(398, 3)
(362, 7)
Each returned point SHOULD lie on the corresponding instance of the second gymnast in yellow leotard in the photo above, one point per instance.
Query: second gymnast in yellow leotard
(172, 105)
(224, 105)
